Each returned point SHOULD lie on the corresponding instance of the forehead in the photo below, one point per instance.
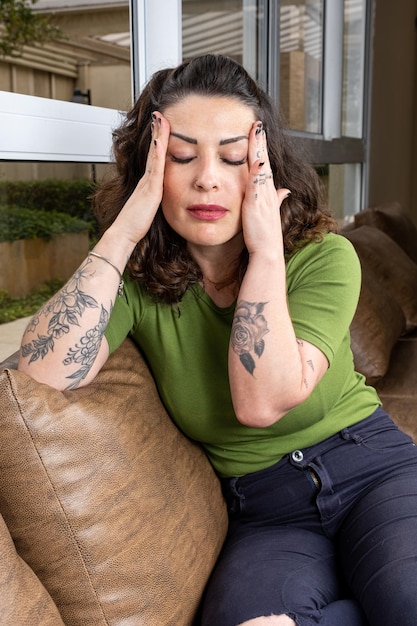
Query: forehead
(210, 114)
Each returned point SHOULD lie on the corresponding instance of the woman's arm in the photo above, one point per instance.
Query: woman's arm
(270, 370)
(63, 344)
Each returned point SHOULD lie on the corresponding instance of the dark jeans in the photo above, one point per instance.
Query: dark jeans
(327, 536)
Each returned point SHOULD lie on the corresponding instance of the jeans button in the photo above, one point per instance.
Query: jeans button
(297, 456)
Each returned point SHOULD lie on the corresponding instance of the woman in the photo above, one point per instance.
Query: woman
(240, 295)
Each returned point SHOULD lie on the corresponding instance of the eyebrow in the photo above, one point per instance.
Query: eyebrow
(222, 142)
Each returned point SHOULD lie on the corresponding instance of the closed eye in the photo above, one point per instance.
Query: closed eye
(240, 162)
(179, 160)
(176, 159)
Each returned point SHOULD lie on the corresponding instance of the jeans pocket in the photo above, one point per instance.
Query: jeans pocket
(378, 433)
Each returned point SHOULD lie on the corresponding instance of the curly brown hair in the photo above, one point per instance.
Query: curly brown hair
(161, 261)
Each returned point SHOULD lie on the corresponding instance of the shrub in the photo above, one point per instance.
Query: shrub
(68, 196)
(15, 308)
(21, 223)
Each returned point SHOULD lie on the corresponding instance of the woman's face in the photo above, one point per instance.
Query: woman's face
(207, 169)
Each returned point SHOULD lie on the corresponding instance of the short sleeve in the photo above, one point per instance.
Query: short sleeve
(123, 315)
(323, 286)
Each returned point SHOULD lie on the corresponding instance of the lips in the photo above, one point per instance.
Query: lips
(207, 212)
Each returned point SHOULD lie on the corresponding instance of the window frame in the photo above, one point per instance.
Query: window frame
(331, 147)
(52, 130)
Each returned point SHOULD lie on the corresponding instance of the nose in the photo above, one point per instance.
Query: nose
(207, 176)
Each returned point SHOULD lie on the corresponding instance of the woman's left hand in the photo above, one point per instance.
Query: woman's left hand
(261, 219)
(270, 370)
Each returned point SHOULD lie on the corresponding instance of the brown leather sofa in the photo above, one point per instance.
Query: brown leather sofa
(384, 329)
(110, 516)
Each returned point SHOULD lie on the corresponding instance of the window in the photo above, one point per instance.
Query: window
(92, 57)
(330, 120)
(89, 65)
(353, 68)
(301, 64)
(311, 55)
(236, 28)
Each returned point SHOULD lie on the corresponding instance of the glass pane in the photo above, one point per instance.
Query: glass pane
(301, 63)
(353, 68)
(89, 64)
(230, 27)
(343, 184)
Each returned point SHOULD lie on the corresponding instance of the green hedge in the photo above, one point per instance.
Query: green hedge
(21, 223)
(15, 308)
(68, 196)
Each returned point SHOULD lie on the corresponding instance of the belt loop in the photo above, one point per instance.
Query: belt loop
(348, 436)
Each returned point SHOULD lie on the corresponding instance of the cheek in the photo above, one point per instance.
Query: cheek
(243, 180)
(171, 203)
(170, 190)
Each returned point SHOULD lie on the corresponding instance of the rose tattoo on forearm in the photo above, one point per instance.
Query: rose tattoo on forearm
(248, 330)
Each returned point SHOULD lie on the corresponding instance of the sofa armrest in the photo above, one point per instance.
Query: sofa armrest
(24, 600)
(119, 515)
(10, 362)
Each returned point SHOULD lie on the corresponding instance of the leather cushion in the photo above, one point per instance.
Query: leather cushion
(398, 389)
(119, 514)
(375, 329)
(394, 221)
(24, 600)
(395, 271)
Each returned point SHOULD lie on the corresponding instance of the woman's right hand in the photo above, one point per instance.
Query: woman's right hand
(136, 216)
(64, 345)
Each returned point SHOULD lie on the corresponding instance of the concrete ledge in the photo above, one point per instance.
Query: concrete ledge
(11, 336)
(27, 263)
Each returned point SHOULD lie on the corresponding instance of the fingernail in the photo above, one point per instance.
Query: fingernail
(259, 129)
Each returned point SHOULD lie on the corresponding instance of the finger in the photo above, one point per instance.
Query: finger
(160, 130)
(256, 152)
(259, 159)
(282, 194)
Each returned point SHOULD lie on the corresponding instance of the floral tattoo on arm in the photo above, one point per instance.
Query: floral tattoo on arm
(64, 311)
(248, 331)
(86, 351)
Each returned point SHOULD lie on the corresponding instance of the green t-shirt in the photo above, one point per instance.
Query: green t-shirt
(187, 351)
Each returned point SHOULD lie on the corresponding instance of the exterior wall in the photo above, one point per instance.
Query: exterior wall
(30, 262)
(111, 86)
(393, 141)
